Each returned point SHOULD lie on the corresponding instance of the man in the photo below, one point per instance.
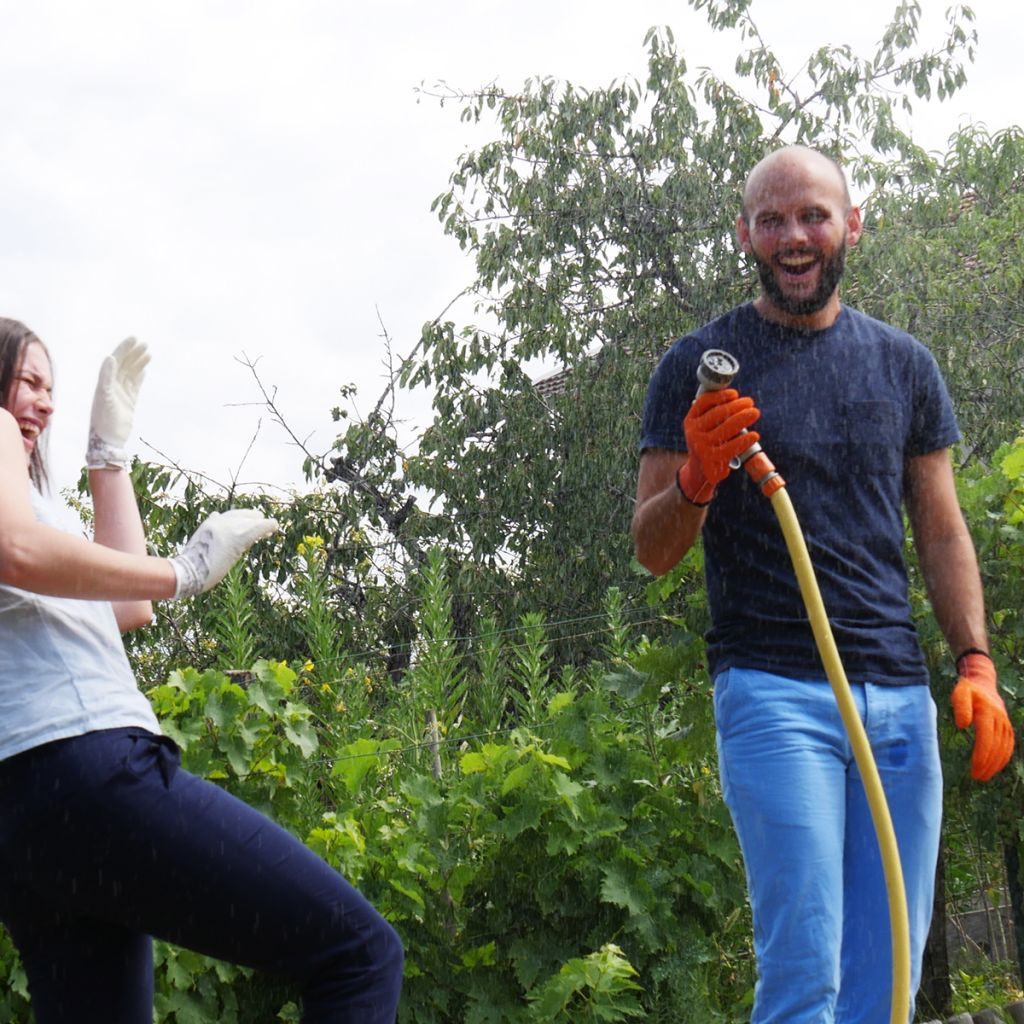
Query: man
(857, 419)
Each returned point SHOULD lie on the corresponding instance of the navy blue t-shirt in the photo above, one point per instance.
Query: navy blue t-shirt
(841, 412)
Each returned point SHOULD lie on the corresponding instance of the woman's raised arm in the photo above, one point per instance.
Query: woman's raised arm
(44, 560)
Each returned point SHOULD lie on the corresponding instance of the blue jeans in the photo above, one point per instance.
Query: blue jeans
(814, 871)
(105, 841)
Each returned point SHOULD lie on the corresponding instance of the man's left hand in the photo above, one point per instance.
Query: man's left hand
(976, 701)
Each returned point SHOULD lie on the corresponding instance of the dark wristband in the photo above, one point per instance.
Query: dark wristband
(971, 650)
(688, 500)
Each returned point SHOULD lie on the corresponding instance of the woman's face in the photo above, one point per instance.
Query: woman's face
(30, 400)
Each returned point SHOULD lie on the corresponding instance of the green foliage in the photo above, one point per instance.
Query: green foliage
(346, 605)
(194, 989)
(541, 848)
(538, 852)
(981, 828)
(943, 259)
(993, 503)
(618, 644)
(233, 621)
(436, 680)
(984, 984)
(531, 669)
(254, 734)
(14, 1004)
(599, 987)
(323, 631)
(488, 695)
(578, 865)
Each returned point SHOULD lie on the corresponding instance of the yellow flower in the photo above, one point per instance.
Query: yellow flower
(311, 544)
(325, 688)
(308, 667)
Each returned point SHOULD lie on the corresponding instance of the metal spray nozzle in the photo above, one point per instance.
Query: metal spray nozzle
(716, 370)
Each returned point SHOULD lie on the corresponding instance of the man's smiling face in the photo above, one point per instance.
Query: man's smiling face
(796, 225)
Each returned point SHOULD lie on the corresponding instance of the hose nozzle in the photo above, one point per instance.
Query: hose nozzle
(715, 372)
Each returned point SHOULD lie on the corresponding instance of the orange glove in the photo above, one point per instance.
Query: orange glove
(714, 435)
(976, 700)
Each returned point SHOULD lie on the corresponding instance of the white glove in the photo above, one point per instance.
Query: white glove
(218, 543)
(113, 405)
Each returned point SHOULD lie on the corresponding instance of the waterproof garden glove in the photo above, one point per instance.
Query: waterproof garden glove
(976, 701)
(113, 405)
(715, 434)
(218, 543)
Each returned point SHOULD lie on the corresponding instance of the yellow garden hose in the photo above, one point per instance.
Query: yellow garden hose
(716, 370)
(900, 1004)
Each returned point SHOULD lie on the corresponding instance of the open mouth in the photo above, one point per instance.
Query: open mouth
(796, 267)
(30, 431)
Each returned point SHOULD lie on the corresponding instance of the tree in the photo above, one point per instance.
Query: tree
(601, 224)
(945, 262)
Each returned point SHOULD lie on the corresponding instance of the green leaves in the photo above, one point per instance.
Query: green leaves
(360, 759)
(598, 987)
(253, 728)
(437, 680)
(942, 257)
(194, 989)
(1011, 465)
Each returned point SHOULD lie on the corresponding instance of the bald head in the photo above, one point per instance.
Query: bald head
(793, 165)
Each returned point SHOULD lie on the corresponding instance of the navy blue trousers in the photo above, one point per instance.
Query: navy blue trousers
(105, 842)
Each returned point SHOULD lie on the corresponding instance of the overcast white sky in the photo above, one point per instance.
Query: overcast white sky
(222, 177)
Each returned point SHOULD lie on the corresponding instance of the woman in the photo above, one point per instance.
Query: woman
(104, 840)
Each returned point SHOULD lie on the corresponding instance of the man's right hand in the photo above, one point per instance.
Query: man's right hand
(714, 429)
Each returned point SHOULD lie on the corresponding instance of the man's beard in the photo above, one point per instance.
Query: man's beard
(828, 281)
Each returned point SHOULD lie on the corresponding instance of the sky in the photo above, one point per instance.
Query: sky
(233, 181)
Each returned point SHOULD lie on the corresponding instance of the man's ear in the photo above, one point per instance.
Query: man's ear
(743, 233)
(854, 226)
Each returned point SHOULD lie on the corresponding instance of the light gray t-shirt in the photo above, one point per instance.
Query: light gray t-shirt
(63, 669)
